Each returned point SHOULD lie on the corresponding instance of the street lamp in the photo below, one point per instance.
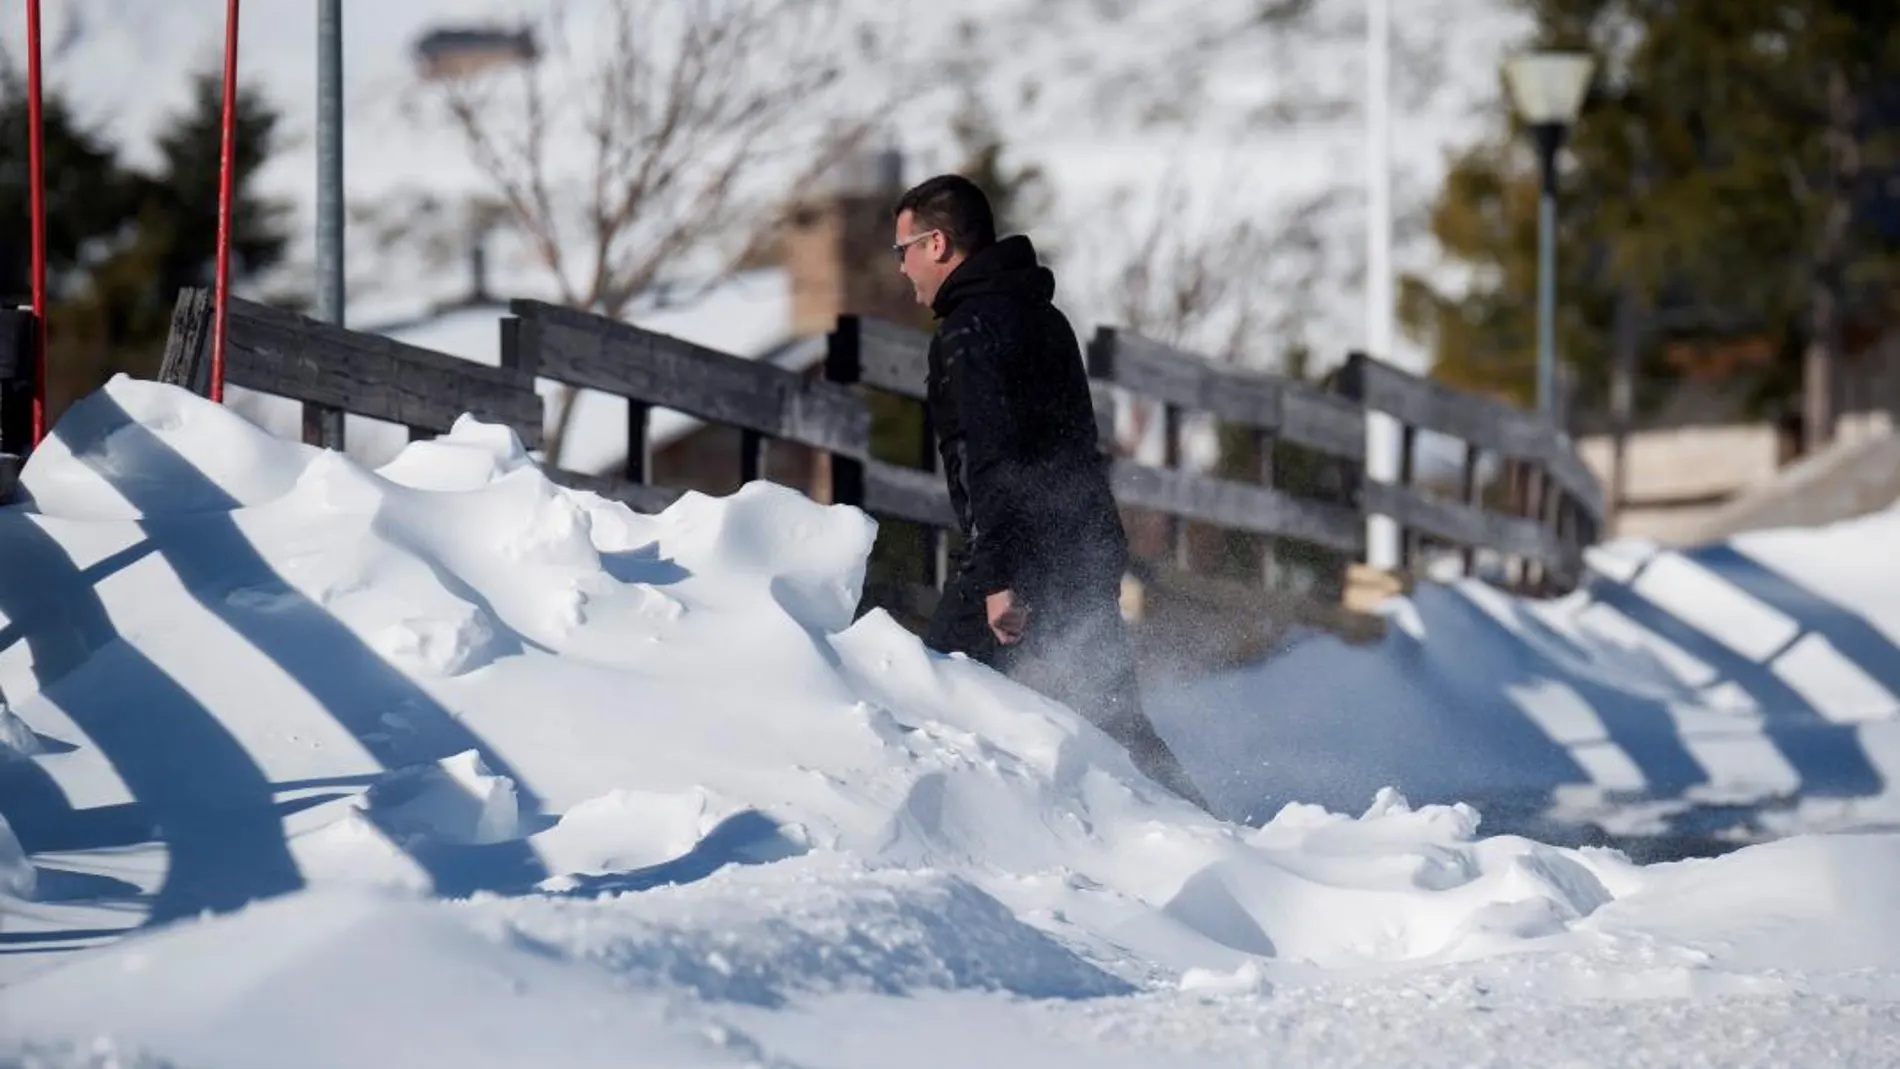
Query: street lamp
(1547, 89)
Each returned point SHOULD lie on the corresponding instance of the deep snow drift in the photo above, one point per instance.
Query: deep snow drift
(1736, 691)
(472, 770)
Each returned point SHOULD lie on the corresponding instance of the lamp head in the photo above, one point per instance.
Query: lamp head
(1547, 88)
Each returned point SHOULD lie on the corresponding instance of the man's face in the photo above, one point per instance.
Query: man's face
(923, 256)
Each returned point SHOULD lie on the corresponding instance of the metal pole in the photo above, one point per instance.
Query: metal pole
(1547, 306)
(36, 180)
(1382, 439)
(330, 161)
(1549, 138)
(227, 161)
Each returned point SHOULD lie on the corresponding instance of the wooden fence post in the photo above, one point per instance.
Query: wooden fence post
(187, 359)
(16, 396)
(844, 365)
(1409, 547)
(1349, 382)
(1472, 494)
(936, 546)
(1549, 517)
(754, 453)
(1264, 443)
(323, 426)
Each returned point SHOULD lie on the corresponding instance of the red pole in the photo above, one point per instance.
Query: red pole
(37, 181)
(226, 163)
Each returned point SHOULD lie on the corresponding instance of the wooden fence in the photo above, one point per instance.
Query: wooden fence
(1542, 512)
(16, 394)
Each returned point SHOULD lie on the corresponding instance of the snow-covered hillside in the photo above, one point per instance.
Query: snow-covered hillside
(1118, 102)
(470, 770)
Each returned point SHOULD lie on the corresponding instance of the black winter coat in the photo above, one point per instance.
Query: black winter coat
(1009, 398)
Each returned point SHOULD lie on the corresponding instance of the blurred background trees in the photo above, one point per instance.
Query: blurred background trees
(1730, 210)
(122, 239)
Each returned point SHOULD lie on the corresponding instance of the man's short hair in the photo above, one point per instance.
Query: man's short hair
(955, 205)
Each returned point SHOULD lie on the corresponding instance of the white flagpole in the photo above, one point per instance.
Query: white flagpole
(1382, 549)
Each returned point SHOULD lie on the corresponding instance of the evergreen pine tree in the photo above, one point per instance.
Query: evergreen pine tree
(89, 197)
(186, 193)
(120, 322)
(1727, 170)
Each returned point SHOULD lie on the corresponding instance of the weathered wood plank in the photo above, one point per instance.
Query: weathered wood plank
(1239, 506)
(16, 343)
(1302, 415)
(1322, 421)
(1102, 396)
(618, 358)
(638, 464)
(16, 382)
(1434, 406)
(753, 456)
(187, 358)
(1415, 510)
(920, 496)
(1561, 459)
(894, 358)
(323, 427)
(1184, 379)
(907, 494)
(1489, 424)
(280, 352)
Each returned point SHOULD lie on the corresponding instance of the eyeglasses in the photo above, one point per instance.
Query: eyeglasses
(902, 247)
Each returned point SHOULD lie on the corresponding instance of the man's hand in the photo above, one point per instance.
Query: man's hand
(1008, 617)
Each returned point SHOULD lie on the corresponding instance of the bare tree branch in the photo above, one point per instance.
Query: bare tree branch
(660, 140)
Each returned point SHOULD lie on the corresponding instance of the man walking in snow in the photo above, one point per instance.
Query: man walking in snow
(1036, 588)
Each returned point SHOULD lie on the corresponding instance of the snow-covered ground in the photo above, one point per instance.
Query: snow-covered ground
(1734, 691)
(441, 765)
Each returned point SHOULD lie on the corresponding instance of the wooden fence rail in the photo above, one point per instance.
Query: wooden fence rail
(1556, 505)
(1553, 511)
(333, 371)
(1270, 410)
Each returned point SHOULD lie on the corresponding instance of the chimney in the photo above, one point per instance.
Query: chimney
(478, 269)
(837, 245)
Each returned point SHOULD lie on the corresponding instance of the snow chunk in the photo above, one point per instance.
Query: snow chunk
(454, 800)
(16, 739)
(472, 455)
(440, 646)
(18, 878)
(812, 556)
(1249, 979)
(625, 830)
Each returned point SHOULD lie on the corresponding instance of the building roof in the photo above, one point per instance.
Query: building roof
(448, 41)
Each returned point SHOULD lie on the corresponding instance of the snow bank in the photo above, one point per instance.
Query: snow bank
(17, 875)
(469, 760)
(1748, 689)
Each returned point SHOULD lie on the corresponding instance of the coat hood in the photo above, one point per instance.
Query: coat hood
(1008, 266)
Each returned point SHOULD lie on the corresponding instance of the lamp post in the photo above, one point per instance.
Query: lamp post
(1547, 89)
(330, 161)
